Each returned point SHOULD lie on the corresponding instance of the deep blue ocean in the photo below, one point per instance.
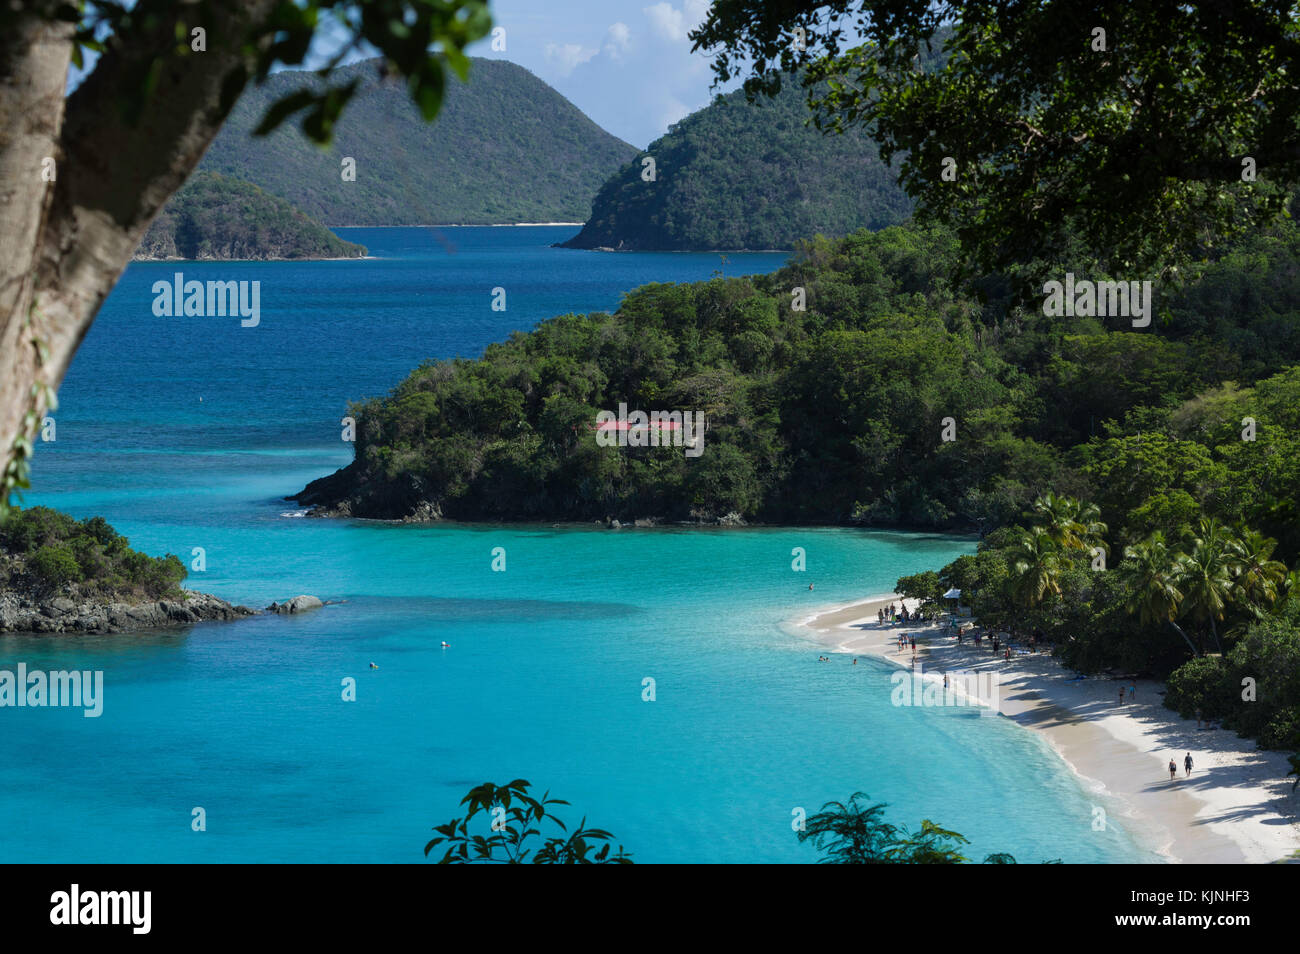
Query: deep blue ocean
(187, 433)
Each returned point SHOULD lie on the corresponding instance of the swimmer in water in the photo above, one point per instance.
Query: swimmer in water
(373, 666)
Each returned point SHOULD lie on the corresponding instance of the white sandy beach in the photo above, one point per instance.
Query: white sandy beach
(1237, 805)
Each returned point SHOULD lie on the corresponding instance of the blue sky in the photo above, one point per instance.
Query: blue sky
(625, 63)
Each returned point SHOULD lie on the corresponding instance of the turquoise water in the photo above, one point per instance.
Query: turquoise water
(544, 674)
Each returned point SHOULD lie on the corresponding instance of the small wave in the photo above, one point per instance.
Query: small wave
(293, 513)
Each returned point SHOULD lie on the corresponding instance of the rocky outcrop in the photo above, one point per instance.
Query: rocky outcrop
(61, 614)
(352, 492)
(299, 604)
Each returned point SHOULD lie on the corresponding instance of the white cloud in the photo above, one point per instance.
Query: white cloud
(568, 56)
(616, 40)
(673, 24)
(666, 20)
(601, 64)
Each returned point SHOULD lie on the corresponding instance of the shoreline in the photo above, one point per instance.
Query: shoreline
(1236, 807)
(461, 225)
(22, 614)
(211, 261)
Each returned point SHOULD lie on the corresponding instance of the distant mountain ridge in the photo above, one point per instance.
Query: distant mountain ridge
(505, 148)
(741, 175)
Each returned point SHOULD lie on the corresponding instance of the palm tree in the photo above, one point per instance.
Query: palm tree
(1037, 566)
(1156, 597)
(1205, 575)
(1071, 523)
(857, 834)
(852, 834)
(1259, 579)
(1289, 587)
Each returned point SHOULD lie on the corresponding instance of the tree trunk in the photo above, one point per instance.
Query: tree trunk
(34, 57)
(1190, 645)
(121, 144)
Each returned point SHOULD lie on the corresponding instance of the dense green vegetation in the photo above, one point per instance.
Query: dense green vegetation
(216, 217)
(741, 175)
(44, 551)
(836, 414)
(1191, 587)
(506, 148)
(1169, 117)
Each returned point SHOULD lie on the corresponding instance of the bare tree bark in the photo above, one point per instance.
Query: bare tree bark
(123, 142)
(34, 58)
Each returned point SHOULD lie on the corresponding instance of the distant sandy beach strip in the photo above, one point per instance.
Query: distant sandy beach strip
(1236, 807)
(461, 225)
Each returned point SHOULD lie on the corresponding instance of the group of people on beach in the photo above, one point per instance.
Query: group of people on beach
(896, 614)
(1187, 767)
(1132, 692)
(904, 641)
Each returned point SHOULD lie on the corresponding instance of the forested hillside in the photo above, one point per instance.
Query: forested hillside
(835, 414)
(741, 175)
(504, 148)
(216, 217)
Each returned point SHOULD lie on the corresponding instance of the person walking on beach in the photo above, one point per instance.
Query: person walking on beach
(1187, 763)
(1121, 693)
(1173, 770)
(1132, 692)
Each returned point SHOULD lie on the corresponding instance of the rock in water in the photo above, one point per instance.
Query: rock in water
(298, 604)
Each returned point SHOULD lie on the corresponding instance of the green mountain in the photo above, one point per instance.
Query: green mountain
(505, 148)
(740, 175)
(215, 217)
